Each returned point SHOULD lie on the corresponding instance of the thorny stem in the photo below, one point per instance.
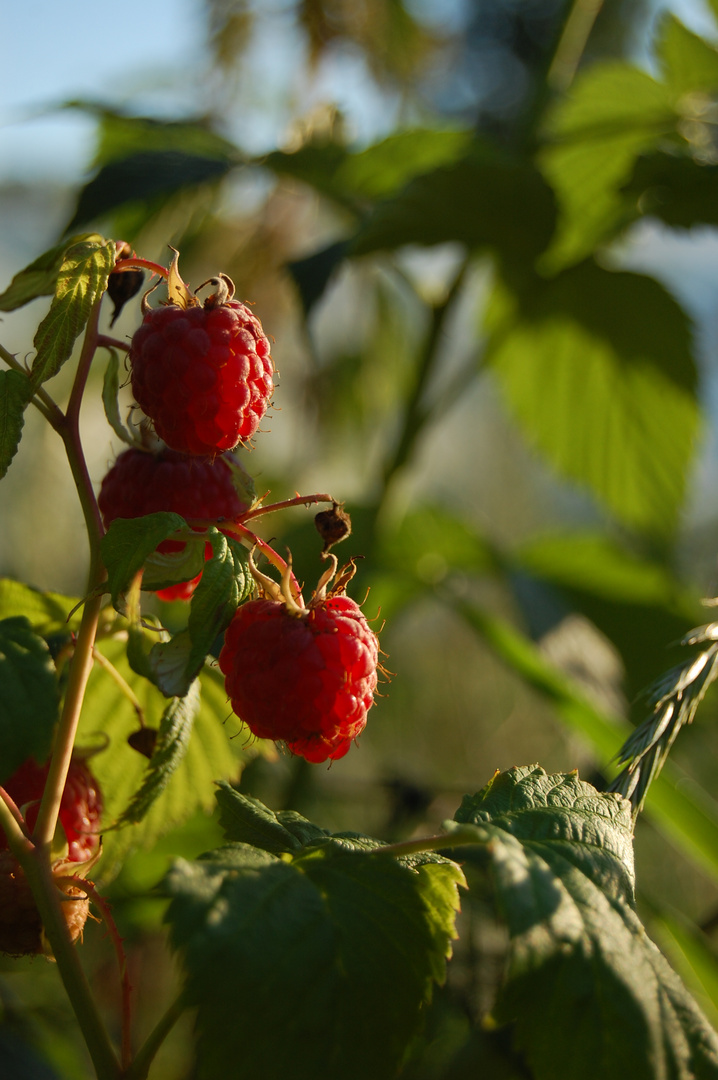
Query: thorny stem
(300, 500)
(251, 540)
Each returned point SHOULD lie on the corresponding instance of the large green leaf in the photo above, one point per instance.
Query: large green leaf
(689, 62)
(375, 172)
(587, 992)
(15, 395)
(317, 944)
(484, 200)
(48, 613)
(81, 280)
(144, 175)
(597, 367)
(29, 698)
(613, 113)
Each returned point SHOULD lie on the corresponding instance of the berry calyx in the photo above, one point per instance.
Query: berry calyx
(141, 482)
(201, 372)
(303, 675)
(21, 930)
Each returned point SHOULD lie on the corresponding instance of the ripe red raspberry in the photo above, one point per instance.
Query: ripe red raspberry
(202, 373)
(80, 807)
(303, 675)
(142, 483)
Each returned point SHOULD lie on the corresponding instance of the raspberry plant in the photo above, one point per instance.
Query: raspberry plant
(290, 937)
(313, 953)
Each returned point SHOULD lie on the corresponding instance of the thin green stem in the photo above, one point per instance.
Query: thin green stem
(443, 842)
(572, 43)
(144, 1057)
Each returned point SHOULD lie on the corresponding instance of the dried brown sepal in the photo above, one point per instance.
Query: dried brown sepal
(333, 525)
(122, 285)
(143, 741)
(21, 930)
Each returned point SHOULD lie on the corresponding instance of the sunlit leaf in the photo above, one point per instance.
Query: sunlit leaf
(81, 280)
(597, 366)
(40, 277)
(582, 974)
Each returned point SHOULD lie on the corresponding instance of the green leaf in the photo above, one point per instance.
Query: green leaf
(679, 190)
(225, 583)
(582, 974)
(47, 612)
(597, 367)
(690, 63)
(174, 665)
(142, 175)
(110, 391)
(81, 280)
(482, 201)
(248, 821)
(29, 698)
(129, 542)
(613, 113)
(317, 945)
(40, 277)
(172, 744)
(219, 748)
(375, 172)
(15, 395)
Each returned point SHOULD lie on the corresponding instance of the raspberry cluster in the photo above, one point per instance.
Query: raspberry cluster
(202, 373)
(304, 676)
(141, 482)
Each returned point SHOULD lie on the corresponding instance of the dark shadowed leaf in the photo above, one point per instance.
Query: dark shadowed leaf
(15, 394)
(677, 189)
(318, 944)
(30, 700)
(248, 821)
(482, 201)
(582, 974)
(129, 542)
(144, 175)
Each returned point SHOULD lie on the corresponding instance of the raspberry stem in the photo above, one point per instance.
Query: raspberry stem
(251, 540)
(126, 989)
(134, 263)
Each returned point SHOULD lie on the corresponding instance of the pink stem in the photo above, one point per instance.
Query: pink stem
(136, 264)
(299, 500)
